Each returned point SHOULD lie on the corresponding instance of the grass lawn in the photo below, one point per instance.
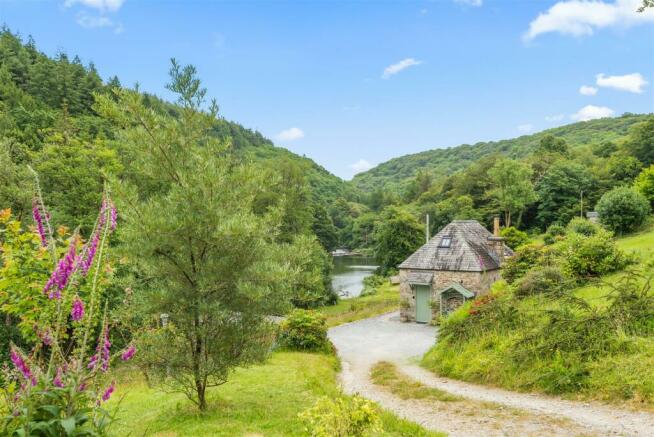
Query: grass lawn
(387, 375)
(259, 401)
(387, 298)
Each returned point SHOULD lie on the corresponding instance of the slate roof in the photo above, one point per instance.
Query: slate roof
(420, 278)
(469, 251)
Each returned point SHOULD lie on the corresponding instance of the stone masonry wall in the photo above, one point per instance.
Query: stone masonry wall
(480, 283)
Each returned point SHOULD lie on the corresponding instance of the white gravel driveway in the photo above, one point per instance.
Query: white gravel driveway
(485, 411)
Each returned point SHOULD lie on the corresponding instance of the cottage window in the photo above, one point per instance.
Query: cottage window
(445, 242)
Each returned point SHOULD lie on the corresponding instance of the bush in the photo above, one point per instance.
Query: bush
(554, 232)
(542, 280)
(583, 256)
(623, 209)
(645, 184)
(524, 259)
(514, 238)
(370, 284)
(579, 225)
(304, 330)
(344, 416)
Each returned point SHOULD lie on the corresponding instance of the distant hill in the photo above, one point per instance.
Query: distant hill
(394, 174)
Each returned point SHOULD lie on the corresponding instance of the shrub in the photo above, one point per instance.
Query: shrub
(371, 283)
(645, 184)
(583, 256)
(554, 232)
(304, 330)
(579, 225)
(623, 209)
(514, 238)
(523, 260)
(542, 280)
(345, 416)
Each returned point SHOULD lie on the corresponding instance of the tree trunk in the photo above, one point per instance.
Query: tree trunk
(201, 390)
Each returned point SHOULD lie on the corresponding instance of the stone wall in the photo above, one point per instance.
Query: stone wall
(479, 283)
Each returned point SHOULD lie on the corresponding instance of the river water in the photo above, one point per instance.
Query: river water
(349, 272)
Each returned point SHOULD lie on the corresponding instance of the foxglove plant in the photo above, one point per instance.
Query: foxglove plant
(51, 389)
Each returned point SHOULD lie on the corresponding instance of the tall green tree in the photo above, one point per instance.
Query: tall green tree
(511, 188)
(641, 141)
(397, 235)
(213, 265)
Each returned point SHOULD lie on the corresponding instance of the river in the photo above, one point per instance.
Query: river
(349, 273)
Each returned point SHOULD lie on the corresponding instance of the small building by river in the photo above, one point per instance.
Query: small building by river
(459, 263)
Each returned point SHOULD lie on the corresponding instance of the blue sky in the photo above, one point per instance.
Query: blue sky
(352, 84)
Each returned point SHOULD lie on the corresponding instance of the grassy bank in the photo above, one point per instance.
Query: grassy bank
(555, 345)
(261, 400)
(387, 298)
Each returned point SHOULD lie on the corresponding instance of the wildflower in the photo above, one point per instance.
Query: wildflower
(128, 354)
(93, 362)
(81, 387)
(77, 310)
(108, 392)
(60, 276)
(22, 366)
(36, 214)
(92, 247)
(57, 379)
(105, 352)
(113, 217)
(46, 338)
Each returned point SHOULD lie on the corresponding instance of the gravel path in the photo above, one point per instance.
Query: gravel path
(486, 411)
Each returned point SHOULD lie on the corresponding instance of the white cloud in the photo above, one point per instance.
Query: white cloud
(591, 112)
(586, 90)
(555, 117)
(102, 5)
(583, 17)
(527, 127)
(397, 67)
(634, 82)
(292, 134)
(360, 166)
(470, 2)
(92, 22)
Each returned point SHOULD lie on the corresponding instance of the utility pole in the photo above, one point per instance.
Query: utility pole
(427, 229)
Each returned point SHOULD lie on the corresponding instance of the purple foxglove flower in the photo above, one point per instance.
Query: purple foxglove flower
(61, 274)
(57, 379)
(22, 366)
(38, 220)
(93, 362)
(128, 354)
(113, 217)
(105, 353)
(77, 310)
(82, 387)
(109, 391)
(92, 247)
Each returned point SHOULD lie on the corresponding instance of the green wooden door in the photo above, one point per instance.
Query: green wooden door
(423, 304)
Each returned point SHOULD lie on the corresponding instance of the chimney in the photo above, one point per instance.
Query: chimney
(496, 242)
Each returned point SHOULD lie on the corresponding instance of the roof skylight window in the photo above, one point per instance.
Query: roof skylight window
(445, 242)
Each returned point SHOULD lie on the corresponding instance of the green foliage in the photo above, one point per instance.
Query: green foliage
(641, 141)
(554, 232)
(511, 187)
(559, 191)
(644, 183)
(312, 285)
(397, 236)
(513, 237)
(541, 280)
(342, 417)
(524, 259)
(585, 256)
(453, 208)
(623, 209)
(552, 144)
(579, 225)
(304, 330)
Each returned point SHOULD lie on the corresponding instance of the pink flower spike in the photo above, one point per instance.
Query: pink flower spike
(108, 392)
(128, 354)
(77, 311)
(57, 382)
(22, 366)
(38, 220)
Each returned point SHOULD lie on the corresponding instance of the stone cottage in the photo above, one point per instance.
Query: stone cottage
(459, 263)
